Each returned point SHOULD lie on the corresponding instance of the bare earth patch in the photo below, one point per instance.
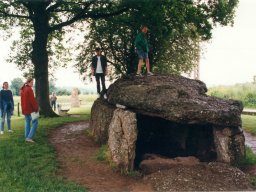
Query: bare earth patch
(76, 154)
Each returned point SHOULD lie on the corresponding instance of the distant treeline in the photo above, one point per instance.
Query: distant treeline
(16, 84)
(68, 91)
(244, 92)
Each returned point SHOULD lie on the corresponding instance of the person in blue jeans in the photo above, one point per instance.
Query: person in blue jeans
(30, 130)
(28, 106)
(6, 107)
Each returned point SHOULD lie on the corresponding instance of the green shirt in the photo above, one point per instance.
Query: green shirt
(141, 42)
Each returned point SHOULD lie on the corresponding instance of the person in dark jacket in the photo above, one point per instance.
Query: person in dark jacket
(142, 48)
(99, 70)
(6, 107)
(28, 106)
(53, 99)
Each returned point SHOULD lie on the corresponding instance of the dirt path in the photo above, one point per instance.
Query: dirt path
(250, 140)
(76, 153)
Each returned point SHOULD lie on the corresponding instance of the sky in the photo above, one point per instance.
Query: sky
(228, 58)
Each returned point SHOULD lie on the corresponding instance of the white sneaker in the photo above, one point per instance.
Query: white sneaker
(1, 132)
(150, 74)
(10, 131)
(105, 96)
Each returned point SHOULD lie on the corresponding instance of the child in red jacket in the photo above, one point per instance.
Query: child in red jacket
(29, 105)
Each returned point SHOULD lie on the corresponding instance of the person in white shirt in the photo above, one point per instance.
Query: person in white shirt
(99, 70)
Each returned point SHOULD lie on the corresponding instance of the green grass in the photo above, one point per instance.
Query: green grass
(249, 123)
(250, 158)
(86, 101)
(32, 167)
(245, 92)
(102, 154)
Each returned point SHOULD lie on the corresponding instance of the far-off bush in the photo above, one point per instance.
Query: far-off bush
(243, 92)
(63, 92)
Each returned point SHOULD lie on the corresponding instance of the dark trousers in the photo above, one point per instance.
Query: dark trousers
(53, 104)
(100, 76)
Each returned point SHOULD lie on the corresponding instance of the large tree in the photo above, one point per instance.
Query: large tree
(176, 29)
(41, 24)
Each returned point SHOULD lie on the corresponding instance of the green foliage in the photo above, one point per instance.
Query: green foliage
(16, 84)
(32, 167)
(52, 87)
(176, 29)
(42, 25)
(42, 45)
(22, 49)
(245, 92)
(18, 16)
(63, 92)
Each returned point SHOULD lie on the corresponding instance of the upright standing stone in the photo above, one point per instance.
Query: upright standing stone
(75, 102)
(122, 139)
(101, 115)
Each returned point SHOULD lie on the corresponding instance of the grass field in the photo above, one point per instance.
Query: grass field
(32, 167)
(245, 92)
(86, 101)
(249, 123)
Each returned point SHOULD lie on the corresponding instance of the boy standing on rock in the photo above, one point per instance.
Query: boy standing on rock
(99, 70)
(142, 49)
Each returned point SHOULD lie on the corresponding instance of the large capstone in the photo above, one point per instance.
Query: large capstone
(167, 115)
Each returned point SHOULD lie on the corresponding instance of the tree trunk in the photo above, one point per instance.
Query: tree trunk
(40, 61)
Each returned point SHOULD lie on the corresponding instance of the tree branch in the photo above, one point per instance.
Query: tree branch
(53, 7)
(4, 14)
(84, 15)
(29, 9)
(67, 5)
(106, 15)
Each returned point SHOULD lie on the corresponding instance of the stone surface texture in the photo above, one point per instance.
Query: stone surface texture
(180, 101)
(154, 163)
(122, 139)
(174, 98)
(101, 115)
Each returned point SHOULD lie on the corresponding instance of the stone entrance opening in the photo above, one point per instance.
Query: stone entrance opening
(170, 139)
(187, 122)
